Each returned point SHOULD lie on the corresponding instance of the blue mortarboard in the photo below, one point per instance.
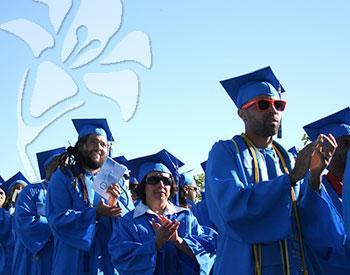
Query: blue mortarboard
(15, 179)
(44, 158)
(97, 126)
(243, 88)
(293, 151)
(133, 180)
(187, 178)
(121, 160)
(204, 164)
(337, 124)
(162, 161)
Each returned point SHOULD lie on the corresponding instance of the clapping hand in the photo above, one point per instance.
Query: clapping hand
(165, 230)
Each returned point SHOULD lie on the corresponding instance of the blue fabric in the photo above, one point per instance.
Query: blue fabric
(187, 178)
(246, 213)
(98, 126)
(200, 211)
(242, 89)
(133, 250)
(336, 199)
(80, 241)
(33, 245)
(337, 124)
(346, 195)
(6, 242)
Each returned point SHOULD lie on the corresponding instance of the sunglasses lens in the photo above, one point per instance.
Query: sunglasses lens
(280, 105)
(153, 180)
(263, 104)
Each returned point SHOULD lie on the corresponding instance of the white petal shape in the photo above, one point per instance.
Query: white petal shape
(37, 38)
(52, 85)
(135, 46)
(102, 19)
(58, 10)
(121, 86)
(27, 134)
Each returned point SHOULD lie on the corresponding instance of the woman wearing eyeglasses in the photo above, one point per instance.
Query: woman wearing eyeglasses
(159, 237)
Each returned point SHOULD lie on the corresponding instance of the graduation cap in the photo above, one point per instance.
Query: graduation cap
(203, 165)
(293, 151)
(121, 160)
(44, 158)
(1, 180)
(337, 124)
(243, 88)
(187, 178)
(18, 178)
(163, 161)
(88, 126)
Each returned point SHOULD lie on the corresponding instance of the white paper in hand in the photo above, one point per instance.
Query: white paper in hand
(111, 172)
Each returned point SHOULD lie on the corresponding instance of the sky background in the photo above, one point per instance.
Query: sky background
(195, 44)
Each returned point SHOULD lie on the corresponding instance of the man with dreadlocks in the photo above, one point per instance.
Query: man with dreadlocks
(80, 220)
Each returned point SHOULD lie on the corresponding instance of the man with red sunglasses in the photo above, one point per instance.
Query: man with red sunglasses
(265, 206)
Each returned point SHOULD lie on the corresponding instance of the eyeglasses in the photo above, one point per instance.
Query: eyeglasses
(192, 188)
(153, 180)
(126, 176)
(264, 104)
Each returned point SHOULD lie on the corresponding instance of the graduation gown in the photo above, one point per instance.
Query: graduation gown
(80, 240)
(336, 199)
(7, 242)
(246, 213)
(34, 244)
(133, 247)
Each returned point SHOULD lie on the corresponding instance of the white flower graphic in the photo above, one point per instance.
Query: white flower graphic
(87, 58)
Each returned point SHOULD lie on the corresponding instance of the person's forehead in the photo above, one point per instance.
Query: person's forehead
(156, 173)
(264, 97)
(97, 138)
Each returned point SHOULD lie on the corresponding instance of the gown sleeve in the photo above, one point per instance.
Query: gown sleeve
(32, 228)
(69, 218)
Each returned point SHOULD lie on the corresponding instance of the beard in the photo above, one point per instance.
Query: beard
(265, 128)
(90, 162)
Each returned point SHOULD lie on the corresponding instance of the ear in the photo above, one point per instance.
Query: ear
(242, 114)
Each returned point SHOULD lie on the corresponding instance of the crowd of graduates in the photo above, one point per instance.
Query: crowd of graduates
(264, 210)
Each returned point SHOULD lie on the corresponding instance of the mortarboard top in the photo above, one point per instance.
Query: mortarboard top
(133, 180)
(337, 124)
(97, 126)
(203, 165)
(163, 161)
(293, 151)
(18, 178)
(242, 89)
(187, 178)
(44, 158)
(121, 160)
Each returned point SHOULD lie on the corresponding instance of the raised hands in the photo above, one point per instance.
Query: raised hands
(114, 192)
(104, 209)
(165, 230)
(324, 149)
(314, 157)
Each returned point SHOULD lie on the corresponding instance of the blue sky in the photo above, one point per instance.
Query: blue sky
(194, 44)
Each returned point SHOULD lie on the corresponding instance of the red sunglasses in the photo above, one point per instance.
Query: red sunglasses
(264, 104)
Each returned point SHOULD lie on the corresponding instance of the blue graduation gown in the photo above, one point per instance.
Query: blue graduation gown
(6, 242)
(133, 247)
(336, 199)
(80, 240)
(33, 245)
(246, 213)
(200, 211)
